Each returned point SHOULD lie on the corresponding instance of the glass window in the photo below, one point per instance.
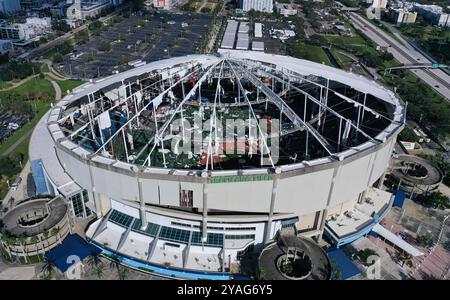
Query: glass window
(212, 240)
(151, 230)
(120, 219)
(174, 234)
(78, 206)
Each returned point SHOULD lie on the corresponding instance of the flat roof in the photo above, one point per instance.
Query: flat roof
(42, 146)
(258, 30)
(257, 46)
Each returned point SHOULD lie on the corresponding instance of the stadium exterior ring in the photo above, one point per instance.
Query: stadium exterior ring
(314, 149)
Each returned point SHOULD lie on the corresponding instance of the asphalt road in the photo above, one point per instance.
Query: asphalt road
(435, 78)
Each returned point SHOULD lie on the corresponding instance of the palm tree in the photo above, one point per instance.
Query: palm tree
(35, 240)
(48, 269)
(94, 261)
(56, 231)
(23, 242)
(122, 272)
(99, 271)
(5, 242)
(46, 234)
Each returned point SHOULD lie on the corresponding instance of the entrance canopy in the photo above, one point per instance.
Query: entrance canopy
(394, 239)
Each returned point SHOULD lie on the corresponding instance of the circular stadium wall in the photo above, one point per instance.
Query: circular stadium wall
(229, 148)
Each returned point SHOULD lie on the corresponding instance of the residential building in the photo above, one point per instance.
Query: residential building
(402, 16)
(379, 3)
(433, 14)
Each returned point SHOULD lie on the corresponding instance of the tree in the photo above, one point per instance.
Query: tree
(94, 261)
(104, 47)
(55, 232)
(363, 256)
(48, 269)
(60, 26)
(407, 135)
(404, 257)
(136, 5)
(8, 167)
(337, 273)
(436, 200)
(424, 241)
(122, 272)
(23, 243)
(98, 271)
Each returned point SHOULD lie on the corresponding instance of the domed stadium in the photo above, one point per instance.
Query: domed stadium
(188, 164)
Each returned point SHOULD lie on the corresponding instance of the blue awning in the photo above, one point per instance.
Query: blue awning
(72, 250)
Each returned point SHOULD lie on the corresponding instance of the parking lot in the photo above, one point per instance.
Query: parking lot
(273, 45)
(161, 36)
(9, 123)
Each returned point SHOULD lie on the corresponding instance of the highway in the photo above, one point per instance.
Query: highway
(435, 78)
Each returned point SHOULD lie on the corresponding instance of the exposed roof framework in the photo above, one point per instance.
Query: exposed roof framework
(138, 104)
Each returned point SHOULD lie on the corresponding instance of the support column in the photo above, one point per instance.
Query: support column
(205, 208)
(325, 211)
(142, 214)
(97, 202)
(272, 204)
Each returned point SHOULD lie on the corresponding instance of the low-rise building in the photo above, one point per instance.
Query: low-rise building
(82, 9)
(286, 9)
(402, 16)
(433, 14)
(258, 30)
(256, 5)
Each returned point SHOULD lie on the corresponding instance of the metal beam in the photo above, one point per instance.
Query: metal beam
(295, 118)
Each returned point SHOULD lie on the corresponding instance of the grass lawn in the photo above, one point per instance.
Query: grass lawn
(341, 58)
(41, 89)
(41, 108)
(49, 54)
(355, 40)
(310, 52)
(68, 85)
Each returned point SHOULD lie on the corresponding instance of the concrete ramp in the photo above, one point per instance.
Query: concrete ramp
(396, 240)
